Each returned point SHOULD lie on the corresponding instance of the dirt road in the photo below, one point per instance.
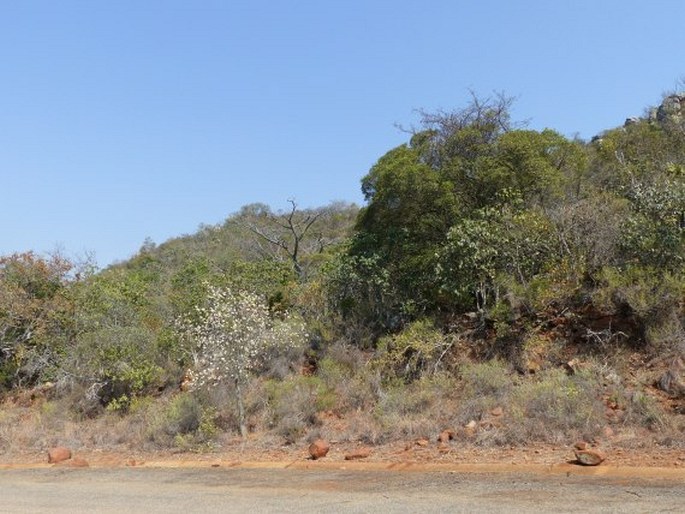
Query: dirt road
(207, 489)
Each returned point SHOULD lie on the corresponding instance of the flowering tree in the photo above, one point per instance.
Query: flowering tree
(234, 333)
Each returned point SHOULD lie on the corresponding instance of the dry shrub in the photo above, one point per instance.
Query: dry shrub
(293, 404)
(180, 421)
(355, 384)
(420, 409)
(483, 386)
(554, 407)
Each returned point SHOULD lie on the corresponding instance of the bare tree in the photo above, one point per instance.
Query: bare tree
(296, 233)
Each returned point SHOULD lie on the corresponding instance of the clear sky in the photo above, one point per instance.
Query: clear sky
(127, 119)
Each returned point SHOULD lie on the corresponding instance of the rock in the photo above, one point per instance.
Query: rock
(58, 454)
(422, 442)
(470, 428)
(446, 436)
(590, 457)
(581, 445)
(361, 453)
(671, 381)
(671, 109)
(497, 411)
(631, 121)
(78, 462)
(319, 449)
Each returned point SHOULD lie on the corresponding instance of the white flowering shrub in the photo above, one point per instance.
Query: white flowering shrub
(234, 333)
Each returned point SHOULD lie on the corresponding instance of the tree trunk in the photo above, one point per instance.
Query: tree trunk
(241, 409)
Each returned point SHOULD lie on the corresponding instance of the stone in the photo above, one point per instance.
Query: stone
(581, 445)
(77, 462)
(470, 428)
(58, 454)
(590, 457)
(319, 449)
(446, 436)
(497, 411)
(361, 453)
(422, 442)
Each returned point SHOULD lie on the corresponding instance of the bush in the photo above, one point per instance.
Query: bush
(413, 353)
(181, 421)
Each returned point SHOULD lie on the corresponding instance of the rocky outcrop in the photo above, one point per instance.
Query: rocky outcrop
(672, 109)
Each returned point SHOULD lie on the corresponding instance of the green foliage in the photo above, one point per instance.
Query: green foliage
(413, 353)
(492, 243)
(36, 317)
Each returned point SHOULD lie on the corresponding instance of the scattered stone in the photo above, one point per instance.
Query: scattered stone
(361, 453)
(590, 457)
(446, 436)
(470, 428)
(78, 462)
(581, 445)
(422, 442)
(319, 449)
(58, 454)
(497, 411)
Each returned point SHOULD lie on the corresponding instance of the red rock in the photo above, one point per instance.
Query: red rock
(58, 454)
(422, 442)
(446, 436)
(361, 453)
(581, 445)
(319, 449)
(78, 462)
(590, 457)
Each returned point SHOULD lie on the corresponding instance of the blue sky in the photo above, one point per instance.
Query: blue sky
(132, 119)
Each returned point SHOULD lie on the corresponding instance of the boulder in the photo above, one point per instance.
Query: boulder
(319, 449)
(590, 457)
(581, 445)
(58, 454)
(361, 453)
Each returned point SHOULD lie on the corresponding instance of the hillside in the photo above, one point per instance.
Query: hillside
(511, 286)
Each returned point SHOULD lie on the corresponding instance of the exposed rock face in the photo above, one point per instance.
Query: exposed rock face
(58, 454)
(319, 449)
(671, 109)
(672, 381)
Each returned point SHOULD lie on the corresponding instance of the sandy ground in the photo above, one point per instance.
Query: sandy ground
(321, 488)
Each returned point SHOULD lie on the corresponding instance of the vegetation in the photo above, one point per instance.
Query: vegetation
(492, 266)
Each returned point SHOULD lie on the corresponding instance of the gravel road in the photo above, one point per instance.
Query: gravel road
(153, 490)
